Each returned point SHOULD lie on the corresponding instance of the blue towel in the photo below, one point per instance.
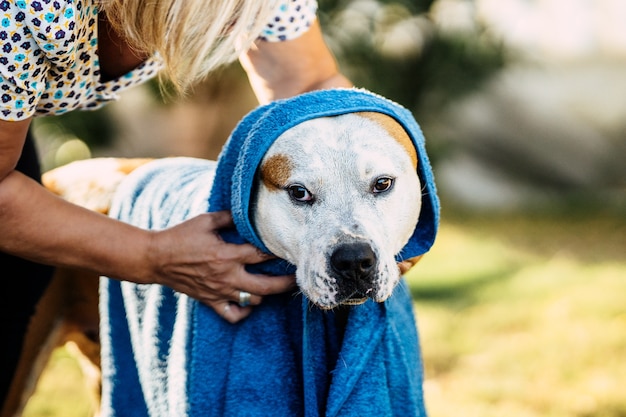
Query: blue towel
(164, 354)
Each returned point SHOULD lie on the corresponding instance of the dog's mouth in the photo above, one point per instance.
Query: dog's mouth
(354, 301)
(351, 298)
(357, 297)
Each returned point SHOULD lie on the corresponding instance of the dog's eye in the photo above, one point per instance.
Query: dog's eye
(299, 193)
(382, 184)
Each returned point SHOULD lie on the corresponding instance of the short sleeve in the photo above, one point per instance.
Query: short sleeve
(33, 35)
(291, 19)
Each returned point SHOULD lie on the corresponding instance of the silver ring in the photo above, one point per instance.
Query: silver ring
(244, 298)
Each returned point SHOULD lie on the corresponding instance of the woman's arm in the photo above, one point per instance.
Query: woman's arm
(283, 69)
(190, 257)
(37, 225)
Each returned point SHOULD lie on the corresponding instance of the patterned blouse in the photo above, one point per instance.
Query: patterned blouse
(49, 61)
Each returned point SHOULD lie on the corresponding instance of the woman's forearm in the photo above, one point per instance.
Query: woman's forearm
(283, 69)
(37, 225)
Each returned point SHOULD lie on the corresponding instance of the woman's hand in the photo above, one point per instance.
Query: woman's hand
(191, 258)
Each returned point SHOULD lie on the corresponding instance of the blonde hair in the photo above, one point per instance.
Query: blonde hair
(192, 37)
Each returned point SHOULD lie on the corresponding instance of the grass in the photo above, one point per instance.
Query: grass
(519, 316)
(524, 317)
(60, 392)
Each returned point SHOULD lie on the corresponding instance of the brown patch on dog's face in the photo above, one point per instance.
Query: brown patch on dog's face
(395, 130)
(275, 172)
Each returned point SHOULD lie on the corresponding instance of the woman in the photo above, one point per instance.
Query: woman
(62, 55)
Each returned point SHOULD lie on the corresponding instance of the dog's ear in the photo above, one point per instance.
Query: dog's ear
(407, 264)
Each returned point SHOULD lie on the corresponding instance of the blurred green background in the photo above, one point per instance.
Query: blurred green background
(521, 303)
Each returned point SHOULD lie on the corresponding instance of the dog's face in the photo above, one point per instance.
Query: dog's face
(339, 197)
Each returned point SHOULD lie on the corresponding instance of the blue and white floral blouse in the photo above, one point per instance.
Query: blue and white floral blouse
(49, 62)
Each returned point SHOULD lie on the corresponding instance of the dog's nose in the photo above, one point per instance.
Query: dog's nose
(353, 260)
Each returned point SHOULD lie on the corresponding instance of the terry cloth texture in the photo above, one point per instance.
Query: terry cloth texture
(164, 354)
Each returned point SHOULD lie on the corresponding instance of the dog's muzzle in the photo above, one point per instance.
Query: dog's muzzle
(354, 265)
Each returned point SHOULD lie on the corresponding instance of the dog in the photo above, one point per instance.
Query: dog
(338, 197)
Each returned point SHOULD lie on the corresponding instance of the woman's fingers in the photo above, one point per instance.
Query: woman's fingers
(261, 285)
(196, 261)
(231, 312)
(258, 284)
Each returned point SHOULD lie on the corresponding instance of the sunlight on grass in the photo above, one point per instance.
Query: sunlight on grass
(60, 392)
(521, 329)
(518, 317)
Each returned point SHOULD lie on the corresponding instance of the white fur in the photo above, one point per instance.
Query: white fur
(337, 159)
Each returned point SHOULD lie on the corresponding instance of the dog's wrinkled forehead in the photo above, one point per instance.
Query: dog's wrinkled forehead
(359, 130)
(395, 130)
